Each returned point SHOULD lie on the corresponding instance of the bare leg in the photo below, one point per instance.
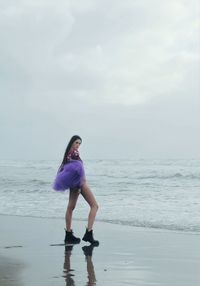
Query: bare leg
(73, 197)
(90, 199)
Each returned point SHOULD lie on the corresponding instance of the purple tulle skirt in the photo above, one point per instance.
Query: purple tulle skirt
(72, 176)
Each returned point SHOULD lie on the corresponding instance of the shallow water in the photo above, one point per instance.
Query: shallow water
(163, 194)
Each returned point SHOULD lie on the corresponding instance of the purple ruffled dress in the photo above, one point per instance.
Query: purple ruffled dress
(71, 175)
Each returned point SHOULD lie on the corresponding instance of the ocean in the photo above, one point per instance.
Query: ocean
(158, 194)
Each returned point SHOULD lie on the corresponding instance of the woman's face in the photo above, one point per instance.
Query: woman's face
(76, 144)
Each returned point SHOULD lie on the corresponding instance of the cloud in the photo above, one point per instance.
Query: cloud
(96, 67)
(113, 52)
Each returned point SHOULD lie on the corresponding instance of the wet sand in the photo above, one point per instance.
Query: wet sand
(126, 255)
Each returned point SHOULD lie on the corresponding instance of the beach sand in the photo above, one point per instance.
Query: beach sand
(126, 255)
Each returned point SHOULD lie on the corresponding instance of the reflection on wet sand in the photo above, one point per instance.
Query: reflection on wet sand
(67, 267)
(68, 271)
(87, 250)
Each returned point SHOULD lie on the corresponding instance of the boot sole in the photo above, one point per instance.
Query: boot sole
(95, 243)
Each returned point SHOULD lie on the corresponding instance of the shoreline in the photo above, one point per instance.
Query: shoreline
(127, 255)
(135, 227)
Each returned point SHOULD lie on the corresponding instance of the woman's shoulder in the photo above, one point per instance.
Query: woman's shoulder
(73, 154)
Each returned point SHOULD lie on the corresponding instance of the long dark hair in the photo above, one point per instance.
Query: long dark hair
(72, 140)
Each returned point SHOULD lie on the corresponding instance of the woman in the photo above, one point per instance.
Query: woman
(71, 175)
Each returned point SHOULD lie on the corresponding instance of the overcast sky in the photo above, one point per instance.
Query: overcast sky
(124, 75)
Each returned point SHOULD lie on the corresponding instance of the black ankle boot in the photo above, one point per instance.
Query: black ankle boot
(88, 236)
(70, 238)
